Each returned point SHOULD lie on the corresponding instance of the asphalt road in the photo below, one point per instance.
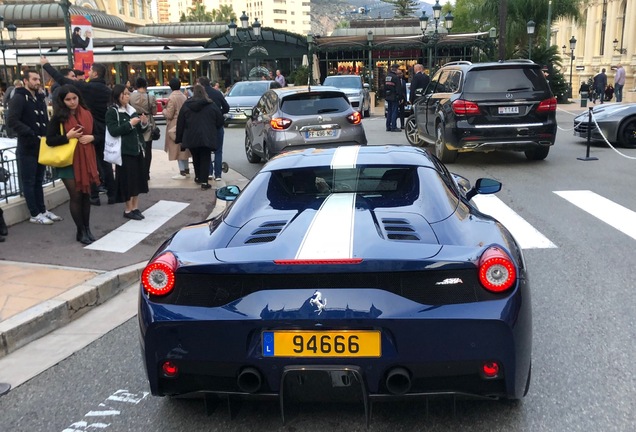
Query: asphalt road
(584, 326)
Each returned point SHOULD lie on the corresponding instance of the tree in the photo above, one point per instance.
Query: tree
(403, 8)
(225, 13)
(197, 13)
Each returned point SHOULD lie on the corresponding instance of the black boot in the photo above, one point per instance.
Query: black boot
(3, 225)
(89, 234)
(82, 237)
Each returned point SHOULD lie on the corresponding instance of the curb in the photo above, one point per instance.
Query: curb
(52, 314)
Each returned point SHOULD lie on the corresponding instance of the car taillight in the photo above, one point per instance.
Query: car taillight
(497, 272)
(280, 123)
(548, 105)
(158, 276)
(354, 118)
(464, 107)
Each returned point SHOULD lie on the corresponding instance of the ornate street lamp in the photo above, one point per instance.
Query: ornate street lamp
(616, 48)
(425, 23)
(370, 42)
(65, 5)
(310, 43)
(244, 27)
(13, 35)
(3, 47)
(572, 47)
(492, 36)
(530, 26)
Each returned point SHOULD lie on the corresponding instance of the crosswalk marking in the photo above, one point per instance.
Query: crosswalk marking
(133, 232)
(526, 235)
(615, 215)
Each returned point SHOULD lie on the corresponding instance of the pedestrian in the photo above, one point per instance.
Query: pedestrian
(584, 89)
(609, 92)
(217, 97)
(28, 117)
(402, 97)
(97, 96)
(392, 90)
(68, 73)
(122, 121)
(197, 126)
(145, 103)
(619, 82)
(600, 82)
(419, 83)
(72, 119)
(280, 79)
(176, 99)
(10, 92)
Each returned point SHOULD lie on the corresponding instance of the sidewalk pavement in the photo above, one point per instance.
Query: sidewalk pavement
(37, 297)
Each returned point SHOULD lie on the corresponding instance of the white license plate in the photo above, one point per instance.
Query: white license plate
(320, 133)
(509, 110)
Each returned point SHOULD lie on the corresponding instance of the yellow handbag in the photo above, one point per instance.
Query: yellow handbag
(57, 156)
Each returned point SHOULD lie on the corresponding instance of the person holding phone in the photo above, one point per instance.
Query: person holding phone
(76, 121)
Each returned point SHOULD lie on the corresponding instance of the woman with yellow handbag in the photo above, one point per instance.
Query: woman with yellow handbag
(72, 120)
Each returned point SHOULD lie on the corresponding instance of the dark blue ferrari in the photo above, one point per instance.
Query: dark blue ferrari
(355, 269)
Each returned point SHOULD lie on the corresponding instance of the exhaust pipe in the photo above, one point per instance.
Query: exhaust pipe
(249, 380)
(398, 381)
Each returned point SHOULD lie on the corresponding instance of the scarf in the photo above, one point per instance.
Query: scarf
(84, 159)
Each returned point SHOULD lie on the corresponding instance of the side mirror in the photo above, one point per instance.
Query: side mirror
(484, 186)
(228, 193)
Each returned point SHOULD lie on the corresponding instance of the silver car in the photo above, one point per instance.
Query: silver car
(617, 123)
(301, 117)
(356, 90)
(243, 96)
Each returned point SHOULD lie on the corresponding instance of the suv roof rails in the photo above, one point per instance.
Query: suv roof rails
(519, 61)
(459, 62)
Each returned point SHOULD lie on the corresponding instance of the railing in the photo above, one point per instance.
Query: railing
(10, 184)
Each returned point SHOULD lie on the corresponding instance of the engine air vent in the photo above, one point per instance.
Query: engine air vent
(266, 232)
(399, 229)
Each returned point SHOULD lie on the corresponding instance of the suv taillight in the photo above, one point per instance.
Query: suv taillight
(354, 118)
(464, 107)
(280, 123)
(497, 272)
(547, 105)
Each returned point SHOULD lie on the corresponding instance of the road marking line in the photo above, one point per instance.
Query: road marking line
(526, 235)
(615, 215)
(133, 232)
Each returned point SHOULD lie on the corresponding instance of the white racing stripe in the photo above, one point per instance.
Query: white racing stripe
(526, 235)
(345, 157)
(330, 234)
(133, 232)
(615, 215)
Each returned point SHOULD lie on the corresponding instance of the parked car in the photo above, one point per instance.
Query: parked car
(161, 93)
(356, 90)
(296, 117)
(408, 108)
(487, 106)
(244, 95)
(364, 271)
(617, 123)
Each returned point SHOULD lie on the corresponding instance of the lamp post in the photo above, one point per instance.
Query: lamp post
(233, 30)
(530, 26)
(616, 48)
(310, 42)
(65, 5)
(492, 35)
(13, 35)
(432, 40)
(370, 42)
(3, 47)
(572, 47)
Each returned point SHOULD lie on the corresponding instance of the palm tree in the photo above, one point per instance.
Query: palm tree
(197, 13)
(403, 8)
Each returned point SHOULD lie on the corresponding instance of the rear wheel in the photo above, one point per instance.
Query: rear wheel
(410, 130)
(249, 151)
(538, 153)
(442, 152)
(627, 134)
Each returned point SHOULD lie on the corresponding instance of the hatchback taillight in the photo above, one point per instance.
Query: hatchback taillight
(547, 105)
(497, 272)
(280, 123)
(354, 118)
(158, 276)
(464, 107)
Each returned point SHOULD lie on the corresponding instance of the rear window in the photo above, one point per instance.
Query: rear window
(343, 82)
(249, 89)
(505, 80)
(314, 103)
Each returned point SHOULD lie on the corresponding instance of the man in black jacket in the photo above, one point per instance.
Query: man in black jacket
(392, 92)
(96, 94)
(419, 83)
(218, 98)
(28, 117)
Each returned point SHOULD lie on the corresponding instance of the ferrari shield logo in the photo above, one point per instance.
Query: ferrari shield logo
(318, 301)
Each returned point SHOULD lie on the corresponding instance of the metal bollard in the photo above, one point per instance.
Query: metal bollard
(584, 96)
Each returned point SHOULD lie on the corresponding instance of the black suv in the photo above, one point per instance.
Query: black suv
(484, 107)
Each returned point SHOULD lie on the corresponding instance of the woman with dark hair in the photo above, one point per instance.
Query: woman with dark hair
(72, 119)
(197, 126)
(122, 121)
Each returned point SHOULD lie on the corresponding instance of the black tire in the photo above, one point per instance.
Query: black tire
(538, 153)
(442, 152)
(410, 130)
(249, 151)
(627, 133)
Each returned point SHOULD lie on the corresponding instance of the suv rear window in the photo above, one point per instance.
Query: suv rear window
(505, 80)
(316, 103)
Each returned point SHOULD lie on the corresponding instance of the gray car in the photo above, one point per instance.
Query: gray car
(356, 90)
(616, 122)
(243, 96)
(301, 117)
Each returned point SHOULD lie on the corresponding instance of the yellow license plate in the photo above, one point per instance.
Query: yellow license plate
(302, 343)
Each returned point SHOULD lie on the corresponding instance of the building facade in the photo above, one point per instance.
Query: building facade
(604, 38)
